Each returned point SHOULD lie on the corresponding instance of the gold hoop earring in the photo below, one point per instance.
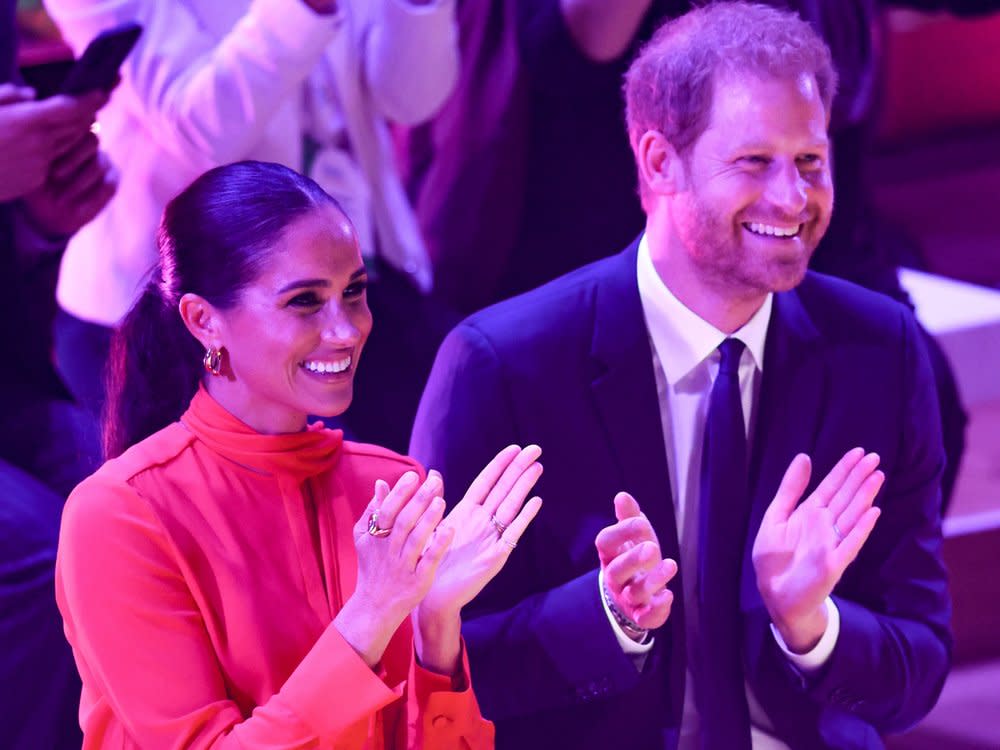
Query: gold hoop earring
(213, 360)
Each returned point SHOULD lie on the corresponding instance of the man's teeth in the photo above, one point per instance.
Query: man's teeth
(772, 231)
(324, 367)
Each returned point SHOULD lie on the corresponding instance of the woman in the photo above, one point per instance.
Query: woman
(311, 84)
(225, 581)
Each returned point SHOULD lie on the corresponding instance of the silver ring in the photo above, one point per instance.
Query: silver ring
(373, 527)
(499, 526)
(508, 542)
(838, 532)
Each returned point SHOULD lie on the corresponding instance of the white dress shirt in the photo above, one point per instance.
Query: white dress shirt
(685, 364)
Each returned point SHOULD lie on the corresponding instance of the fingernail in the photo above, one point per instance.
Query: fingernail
(408, 478)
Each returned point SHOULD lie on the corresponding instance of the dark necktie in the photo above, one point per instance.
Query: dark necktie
(722, 527)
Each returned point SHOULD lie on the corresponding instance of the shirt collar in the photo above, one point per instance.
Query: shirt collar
(683, 340)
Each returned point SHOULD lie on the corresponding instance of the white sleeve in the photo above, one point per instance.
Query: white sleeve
(636, 651)
(206, 95)
(815, 658)
(411, 57)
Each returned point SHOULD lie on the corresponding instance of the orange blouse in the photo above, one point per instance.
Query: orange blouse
(198, 575)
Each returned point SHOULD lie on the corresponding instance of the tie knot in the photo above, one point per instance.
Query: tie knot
(731, 350)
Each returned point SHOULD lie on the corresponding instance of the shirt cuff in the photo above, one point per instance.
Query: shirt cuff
(628, 645)
(820, 653)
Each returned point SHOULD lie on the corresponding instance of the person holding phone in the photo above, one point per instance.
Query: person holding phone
(311, 84)
(53, 179)
(236, 577)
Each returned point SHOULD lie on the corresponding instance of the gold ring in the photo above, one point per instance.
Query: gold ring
(500, 527)
(373, 527)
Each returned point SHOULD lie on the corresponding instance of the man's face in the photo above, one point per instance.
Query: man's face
(757, 191)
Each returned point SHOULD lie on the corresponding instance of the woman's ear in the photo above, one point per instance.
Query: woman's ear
(660, 167)
(202, 320)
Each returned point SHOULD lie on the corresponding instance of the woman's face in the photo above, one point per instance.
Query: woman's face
(293, 339)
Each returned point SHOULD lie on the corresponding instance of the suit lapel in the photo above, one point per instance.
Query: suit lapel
(624, 391)
(625, 397)
(792, 399)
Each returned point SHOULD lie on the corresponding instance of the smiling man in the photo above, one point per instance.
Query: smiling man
(734, 395)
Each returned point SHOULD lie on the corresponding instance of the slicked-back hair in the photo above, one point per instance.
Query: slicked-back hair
(214, 239)
(670, 85)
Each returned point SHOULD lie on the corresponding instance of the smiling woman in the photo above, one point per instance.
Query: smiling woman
(259, 582)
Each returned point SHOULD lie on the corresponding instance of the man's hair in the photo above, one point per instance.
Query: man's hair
(670, 84)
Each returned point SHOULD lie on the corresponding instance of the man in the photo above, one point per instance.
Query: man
(692, 370)
(53, 179)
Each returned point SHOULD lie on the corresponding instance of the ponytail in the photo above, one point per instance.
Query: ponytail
(153, 373)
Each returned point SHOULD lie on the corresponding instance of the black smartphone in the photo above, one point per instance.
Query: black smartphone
(97, 68)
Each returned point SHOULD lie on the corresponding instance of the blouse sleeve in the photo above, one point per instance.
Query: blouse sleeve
(444, 711)
(141, 644)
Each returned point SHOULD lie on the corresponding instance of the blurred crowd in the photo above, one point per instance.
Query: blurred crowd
(477, 147)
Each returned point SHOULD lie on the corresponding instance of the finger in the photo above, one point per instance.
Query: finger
(848, 549)
(420, 536)
(511, 504)
(12, 94)
(654, 614)
(486, 478)
(642, 589)
(411, 513)
(72, 161)
(512, 534)
(860, 503)
(862, 470)
(378, 497)
(613, 540)
(435, 550)
(637, 561)
(793, 484)
(521, 463)
(626, 506)
(833, 481)
(399, 495)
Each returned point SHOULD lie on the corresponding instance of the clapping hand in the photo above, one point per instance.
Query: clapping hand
(398, 555)
(635, 574)
(486, 523)
(802, 549)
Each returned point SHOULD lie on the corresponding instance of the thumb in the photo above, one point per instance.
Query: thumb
(793, 484)
(626, 506)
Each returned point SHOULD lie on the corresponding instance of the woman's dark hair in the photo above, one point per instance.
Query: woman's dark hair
(213, 240)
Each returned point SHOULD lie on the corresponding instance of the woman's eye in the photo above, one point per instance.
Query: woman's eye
(356, 289)
(305, 299)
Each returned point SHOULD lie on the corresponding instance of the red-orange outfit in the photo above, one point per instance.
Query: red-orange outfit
(198, 575)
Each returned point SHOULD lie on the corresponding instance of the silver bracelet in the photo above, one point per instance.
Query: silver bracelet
(626, 623)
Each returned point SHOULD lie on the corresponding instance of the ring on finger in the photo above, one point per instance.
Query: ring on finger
(498, 525)
(374, 529)
(838, 532)
(508, 542)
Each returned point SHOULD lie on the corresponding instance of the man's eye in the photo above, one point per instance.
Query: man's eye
(356, 289)
(811, 160)
(756, 160)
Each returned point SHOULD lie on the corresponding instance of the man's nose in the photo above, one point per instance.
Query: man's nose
(787, 190)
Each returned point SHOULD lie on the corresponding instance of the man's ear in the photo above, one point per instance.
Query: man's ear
(202, 320)
(660, 166)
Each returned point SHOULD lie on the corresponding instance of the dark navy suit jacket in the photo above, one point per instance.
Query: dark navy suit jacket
(569, 366)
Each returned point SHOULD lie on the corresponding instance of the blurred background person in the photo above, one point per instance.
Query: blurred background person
(53, 179)
(249, 590)
(305, 83)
